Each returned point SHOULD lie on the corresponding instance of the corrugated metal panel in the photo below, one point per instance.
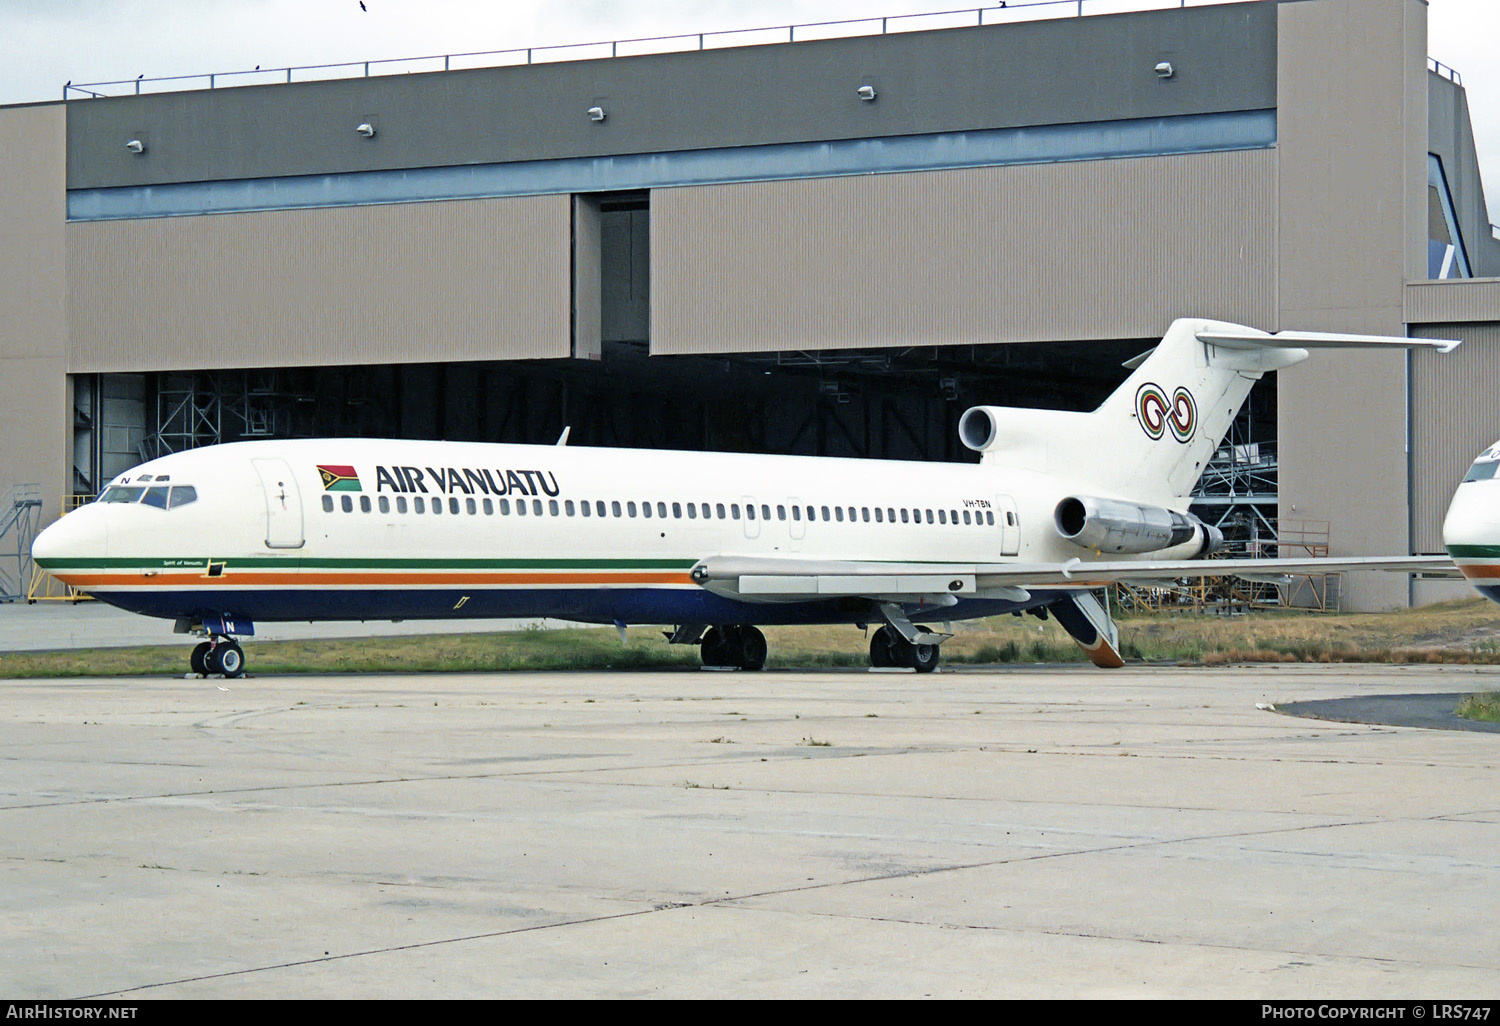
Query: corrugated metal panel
(1094, 249)
(1453, 417)
(34, 408)
(481, 280)
(1453, 301)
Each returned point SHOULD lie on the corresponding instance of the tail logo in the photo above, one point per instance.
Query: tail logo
(1156, 414)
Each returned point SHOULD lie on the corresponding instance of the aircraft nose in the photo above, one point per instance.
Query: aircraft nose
(82, 534)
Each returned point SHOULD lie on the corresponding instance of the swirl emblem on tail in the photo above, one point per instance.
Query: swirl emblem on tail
(1157, 415)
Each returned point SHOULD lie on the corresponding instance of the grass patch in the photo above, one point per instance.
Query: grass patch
(1453, 632)
(1485, 706)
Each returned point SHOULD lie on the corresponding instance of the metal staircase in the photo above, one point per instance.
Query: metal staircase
(19, 513)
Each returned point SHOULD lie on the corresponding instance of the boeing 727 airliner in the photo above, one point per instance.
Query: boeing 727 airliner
(713, 545)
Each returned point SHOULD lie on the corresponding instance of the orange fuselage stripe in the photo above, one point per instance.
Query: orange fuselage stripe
(395, 578)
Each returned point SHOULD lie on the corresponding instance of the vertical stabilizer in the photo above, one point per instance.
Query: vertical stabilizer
(1151, 438)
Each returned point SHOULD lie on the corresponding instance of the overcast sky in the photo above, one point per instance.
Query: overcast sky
(45, 43)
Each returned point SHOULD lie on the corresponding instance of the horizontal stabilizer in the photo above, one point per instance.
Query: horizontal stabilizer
(1247, 339)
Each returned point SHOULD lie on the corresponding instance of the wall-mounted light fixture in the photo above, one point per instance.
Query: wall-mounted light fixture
(866, 93)
(1164, 69)
(136, 146)
(596, 114)
(365, 129)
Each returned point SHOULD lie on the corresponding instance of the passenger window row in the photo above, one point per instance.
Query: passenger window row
(662, 510)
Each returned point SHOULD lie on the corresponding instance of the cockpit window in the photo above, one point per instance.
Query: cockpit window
(1482, 470)
(160, 496)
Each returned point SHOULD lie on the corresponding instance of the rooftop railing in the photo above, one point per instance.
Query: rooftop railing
(1001, 13)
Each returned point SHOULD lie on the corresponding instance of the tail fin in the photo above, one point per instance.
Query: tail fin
(1151, 438)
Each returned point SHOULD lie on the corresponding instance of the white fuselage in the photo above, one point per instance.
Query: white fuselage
(282, 530)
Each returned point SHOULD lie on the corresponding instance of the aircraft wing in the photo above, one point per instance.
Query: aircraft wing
(789, 579)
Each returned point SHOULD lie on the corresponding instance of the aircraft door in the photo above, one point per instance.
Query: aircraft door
(1008, 524)
(283, 504)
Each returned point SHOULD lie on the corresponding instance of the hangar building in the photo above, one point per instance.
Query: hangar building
(831, 239)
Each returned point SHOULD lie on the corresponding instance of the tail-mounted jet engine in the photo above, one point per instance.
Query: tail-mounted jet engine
(1111, 525)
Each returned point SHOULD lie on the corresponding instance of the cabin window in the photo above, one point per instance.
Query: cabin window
(719, 509)
(568, 508)
(586, 508)
(864, 513)
(453, 505)
(661, 510)
(734, 511)
(826, 516)
(692, 511)
(903, 514)
(630, 510)
(838, 513)
(364, 504)
(676, 511)
(384, 503)
(419, 505)
(879, 515)
(489, 508)
(749, 511)
(552, 507)
(646, 510)
(765, 511)
(471, 506)
(437, 505)
(942, 516)
(599, 508)
(614, 507)
(796, 512)
(780, 512)
(400, 504)
(347, 503)
(966, 516)
(155, 497)
(520, 507)
(328, 504)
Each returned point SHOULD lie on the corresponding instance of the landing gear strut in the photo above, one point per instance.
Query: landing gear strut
(738, 645)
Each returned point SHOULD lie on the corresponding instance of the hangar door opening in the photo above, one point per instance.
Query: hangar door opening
(611, 271)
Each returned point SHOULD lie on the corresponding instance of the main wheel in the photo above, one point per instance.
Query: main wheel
(923, 658)
(199, 659)
(228, 659)
(883, 648)
(752, 648)
(716, 648)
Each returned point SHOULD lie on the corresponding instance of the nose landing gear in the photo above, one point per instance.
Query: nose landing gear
(222, 655)
(219, 653)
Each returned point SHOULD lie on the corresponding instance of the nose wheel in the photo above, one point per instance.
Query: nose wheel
(221, 656)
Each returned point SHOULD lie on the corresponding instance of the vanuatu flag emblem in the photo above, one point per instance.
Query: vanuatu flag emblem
(339, 479)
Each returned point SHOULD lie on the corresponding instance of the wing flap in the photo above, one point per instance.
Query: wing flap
(769, 579)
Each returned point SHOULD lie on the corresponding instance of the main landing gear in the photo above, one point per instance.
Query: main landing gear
(734, 645)
(220, 655)
(889, 649)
